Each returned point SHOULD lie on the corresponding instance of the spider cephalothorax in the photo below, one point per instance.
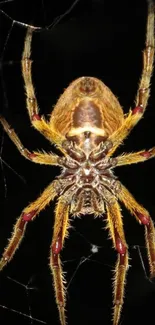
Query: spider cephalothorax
(87, 125)
(88, 174)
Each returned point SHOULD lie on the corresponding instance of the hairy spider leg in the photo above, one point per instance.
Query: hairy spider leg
(32, 106)
(142, 215)
(61, 226)
(35, 156)
(135, 157)
(28, 214)
(115, 226)
(144, 86)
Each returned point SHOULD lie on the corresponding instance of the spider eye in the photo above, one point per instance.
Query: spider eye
(87, 86)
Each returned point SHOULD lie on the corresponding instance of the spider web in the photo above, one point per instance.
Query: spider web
(60, 56)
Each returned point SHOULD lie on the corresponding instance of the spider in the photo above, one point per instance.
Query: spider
(87, 125)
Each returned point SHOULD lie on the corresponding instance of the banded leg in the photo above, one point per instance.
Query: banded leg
(37, 121)
(115, 226)
(135, 157)
(37, 157)
(144, 87)
(60, 232)
(142, 215)
(28, 214)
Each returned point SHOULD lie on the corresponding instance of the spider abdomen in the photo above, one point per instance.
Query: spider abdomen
(87, 113)
(87, 105)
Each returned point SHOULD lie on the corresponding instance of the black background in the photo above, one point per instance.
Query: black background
(98, 38)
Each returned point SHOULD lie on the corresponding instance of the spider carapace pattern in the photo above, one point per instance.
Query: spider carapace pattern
(87, 125)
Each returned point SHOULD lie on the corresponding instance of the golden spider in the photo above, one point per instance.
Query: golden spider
(87, 125)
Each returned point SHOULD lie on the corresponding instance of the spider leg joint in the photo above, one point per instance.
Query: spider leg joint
(36, 117)
(145, 220)
(120, 247)
(57, 246)
(31, 155)
(146, 154)
(28, 216)
(138, 110)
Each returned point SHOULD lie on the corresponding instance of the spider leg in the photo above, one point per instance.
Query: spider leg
(135, 157)
(115, 226)
(28, 214)
(148, 59)
(144, 87)
(37, 121)
(37, 157)
(142, 215)
(60, 232)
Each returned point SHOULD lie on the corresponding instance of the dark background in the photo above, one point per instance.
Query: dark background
(98, 38)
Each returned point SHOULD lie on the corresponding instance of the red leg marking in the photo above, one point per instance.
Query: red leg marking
(146, 154)
(138, 109)
(145, 220)
(31, 155)
(120, 271)
(120, 247)
(56, 249)
(36, 117)
(28, 216)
